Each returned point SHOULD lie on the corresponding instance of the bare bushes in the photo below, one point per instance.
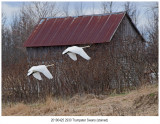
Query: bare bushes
(112, 68)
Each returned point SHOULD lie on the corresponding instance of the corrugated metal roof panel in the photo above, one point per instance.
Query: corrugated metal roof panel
(74, 30)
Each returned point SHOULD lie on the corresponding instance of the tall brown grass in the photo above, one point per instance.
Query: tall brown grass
(142, 101)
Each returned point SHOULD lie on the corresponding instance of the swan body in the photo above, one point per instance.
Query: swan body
(72, 51)
(36, 70)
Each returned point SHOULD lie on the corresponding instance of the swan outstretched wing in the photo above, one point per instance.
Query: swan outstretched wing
(37, 75)
(83, 54)
(72, 51)
(72, 56)
(45, 71)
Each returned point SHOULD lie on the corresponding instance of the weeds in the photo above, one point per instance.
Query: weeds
(152, 94)
(136, 102)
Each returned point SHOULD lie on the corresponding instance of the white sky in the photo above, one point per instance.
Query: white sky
(9, 8)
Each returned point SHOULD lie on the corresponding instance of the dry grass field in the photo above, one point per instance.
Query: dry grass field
(140, 102)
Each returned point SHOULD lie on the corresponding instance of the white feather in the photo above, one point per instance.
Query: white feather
(37, 75)
(72, 56)
(77, 50)
(41, 68)
(84, 55)
(45, 71)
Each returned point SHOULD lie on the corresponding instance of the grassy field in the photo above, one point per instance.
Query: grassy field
(140, 102)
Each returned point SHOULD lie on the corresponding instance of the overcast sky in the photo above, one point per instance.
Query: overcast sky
(9, 8)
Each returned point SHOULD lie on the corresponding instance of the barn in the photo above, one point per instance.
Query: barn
(116, 51)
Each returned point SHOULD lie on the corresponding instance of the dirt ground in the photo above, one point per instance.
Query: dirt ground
(140, 102)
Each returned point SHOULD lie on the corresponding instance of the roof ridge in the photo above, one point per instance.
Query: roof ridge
(84, 15)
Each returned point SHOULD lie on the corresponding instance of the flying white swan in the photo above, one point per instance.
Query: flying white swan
(35, 71)
(72, 51)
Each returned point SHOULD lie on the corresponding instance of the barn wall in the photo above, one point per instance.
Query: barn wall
(128, 52)
(70, 76)
(110, 67)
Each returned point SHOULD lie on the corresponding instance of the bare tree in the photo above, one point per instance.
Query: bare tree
(3, 25)
(152, 28)
(40, 9)
(79, 9)
(3, 19)
(132, 11)
(14, 62)
(66, 9)
(107, 7)
(152, 32)
(93, 8)
(7, 43)
(28, 16)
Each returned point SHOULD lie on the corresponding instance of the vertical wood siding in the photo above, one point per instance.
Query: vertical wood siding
(111, 66)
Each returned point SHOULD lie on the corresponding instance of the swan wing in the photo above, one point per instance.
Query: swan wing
(37, 75)
(46, 72)
(84, 54)
(72, 56)
(76, 50)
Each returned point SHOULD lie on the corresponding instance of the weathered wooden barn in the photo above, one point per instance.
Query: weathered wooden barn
(116, 53)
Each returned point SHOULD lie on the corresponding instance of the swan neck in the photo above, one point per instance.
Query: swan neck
(50, 65)
(85, 46)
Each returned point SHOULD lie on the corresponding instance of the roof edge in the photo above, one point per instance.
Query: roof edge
(84, 15)
(118, 25)
(135, 27)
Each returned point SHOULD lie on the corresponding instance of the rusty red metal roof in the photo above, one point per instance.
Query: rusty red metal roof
(74, 30)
